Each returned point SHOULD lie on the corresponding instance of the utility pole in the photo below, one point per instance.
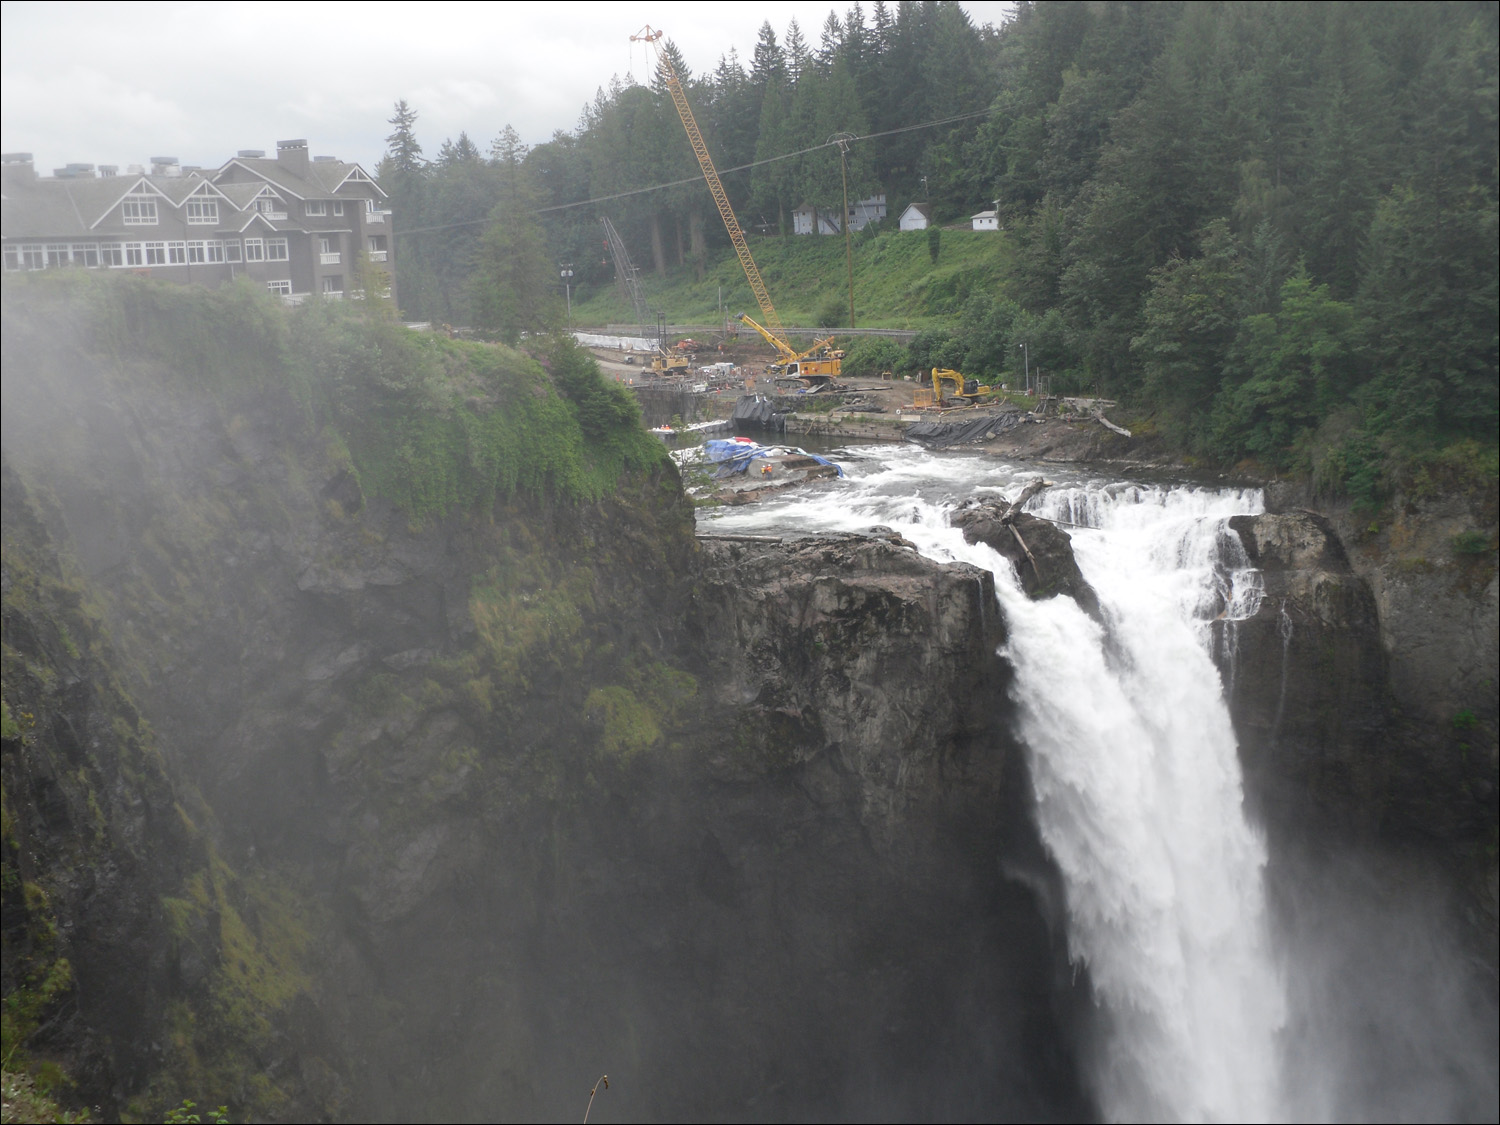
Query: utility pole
(1026, 354)
(566, 273)
(842, 140)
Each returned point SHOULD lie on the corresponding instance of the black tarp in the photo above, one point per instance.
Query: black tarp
(757, 411)
(940, 434)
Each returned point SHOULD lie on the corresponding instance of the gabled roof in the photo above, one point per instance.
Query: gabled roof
(48, 207)
(323, 180)
(923, 209)
(985, 215)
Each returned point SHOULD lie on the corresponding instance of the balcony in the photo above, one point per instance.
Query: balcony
(328, 258)
(376, 216)
(377, 255)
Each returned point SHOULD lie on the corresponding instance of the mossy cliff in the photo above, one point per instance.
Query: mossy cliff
(506, 780)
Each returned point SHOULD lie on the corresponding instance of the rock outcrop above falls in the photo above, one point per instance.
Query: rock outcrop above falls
(1041, 552)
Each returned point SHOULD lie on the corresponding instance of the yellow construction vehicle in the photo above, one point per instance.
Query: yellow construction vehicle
(665, 365)
(819, 363)
(812, 371)
(964, 388)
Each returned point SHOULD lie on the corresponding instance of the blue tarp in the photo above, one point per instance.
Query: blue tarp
(735, 456)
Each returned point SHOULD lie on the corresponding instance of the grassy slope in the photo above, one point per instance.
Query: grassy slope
(896, 283)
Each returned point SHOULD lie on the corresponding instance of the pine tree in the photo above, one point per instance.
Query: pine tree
(798, 57)
(403, 154)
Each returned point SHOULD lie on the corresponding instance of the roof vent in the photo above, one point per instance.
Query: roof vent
(325, 160)
(252, 153)
(165, 160)
(109, 169)
(15, 158)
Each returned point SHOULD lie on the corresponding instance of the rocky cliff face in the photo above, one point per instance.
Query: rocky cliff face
(522, 793)
(1363, 691)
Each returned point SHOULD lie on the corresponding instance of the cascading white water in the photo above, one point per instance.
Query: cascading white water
(1133, 760)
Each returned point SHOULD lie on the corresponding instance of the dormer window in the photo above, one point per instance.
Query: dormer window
(139, 211)
(203, 212)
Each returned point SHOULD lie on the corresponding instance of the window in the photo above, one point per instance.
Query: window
(333, 283)
(86, 255)
(255, 250)
(282, 287)
(214, 251)
(271, 207)
(135, 254)
(57, 255)
(338, 206)
(276, 250)
(232, 250)
(177, 253)
(139, 211)
(316, 207)
(156, 253)
(112, 254)
(197, 252)
(12, 257)
(202, 212)
(33, 258)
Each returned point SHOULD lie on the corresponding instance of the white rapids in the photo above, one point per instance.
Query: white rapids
(1133, 759)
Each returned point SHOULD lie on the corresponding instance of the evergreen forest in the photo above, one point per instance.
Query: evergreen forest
(1270, 228)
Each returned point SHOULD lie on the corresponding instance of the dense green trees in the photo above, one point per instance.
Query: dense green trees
(1274, 225)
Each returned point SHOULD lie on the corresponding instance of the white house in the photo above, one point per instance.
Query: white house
(861, 213)
(865, 211)
(807, 219)
(917, 216)
(987, 220)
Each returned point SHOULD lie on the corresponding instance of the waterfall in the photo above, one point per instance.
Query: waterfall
(1134, 764)
(1140, 802)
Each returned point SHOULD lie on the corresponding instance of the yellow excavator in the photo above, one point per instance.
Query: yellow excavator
(964, 388)
(813, 369)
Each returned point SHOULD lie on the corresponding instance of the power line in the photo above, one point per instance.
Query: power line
(726, 172)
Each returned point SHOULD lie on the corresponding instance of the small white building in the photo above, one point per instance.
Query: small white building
(987, 220)
(917, 216)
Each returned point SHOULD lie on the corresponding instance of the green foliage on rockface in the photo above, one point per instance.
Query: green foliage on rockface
(218, 960)
(428, 423)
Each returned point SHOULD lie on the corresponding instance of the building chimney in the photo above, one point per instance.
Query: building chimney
(16, 169)
(292, 155)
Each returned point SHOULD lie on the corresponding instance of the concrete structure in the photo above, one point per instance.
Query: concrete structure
(987, 220)
(917, 216)
(299, 225)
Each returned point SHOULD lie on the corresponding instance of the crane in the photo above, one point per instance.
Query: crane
(828, 366)
(625, 273)
(817, 362)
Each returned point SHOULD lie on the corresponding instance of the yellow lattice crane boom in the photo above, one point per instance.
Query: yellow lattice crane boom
(652, 37)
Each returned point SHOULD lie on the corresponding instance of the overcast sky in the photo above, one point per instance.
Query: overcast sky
(120, 83)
